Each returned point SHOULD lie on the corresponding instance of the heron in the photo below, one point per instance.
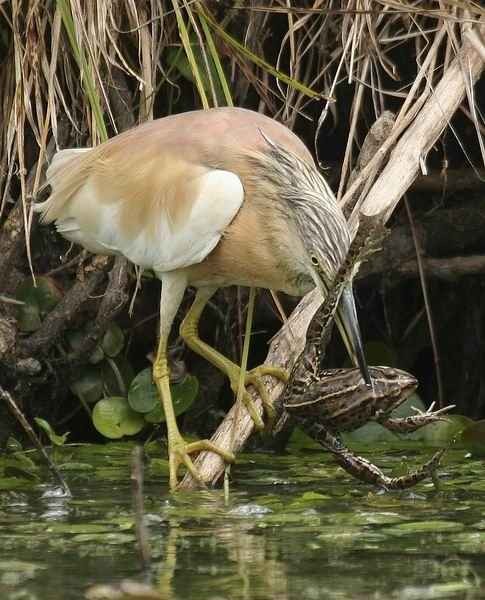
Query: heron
(207, 198)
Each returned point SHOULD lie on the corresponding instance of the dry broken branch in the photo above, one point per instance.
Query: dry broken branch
(399, 173)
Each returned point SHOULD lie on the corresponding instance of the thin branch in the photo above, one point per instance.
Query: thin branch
(18, 414)
(427, 304)
(142, 537)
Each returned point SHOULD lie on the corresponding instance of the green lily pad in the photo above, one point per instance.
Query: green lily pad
(114, 418)
(78, 528)
(308, 500)
(57, 440)
(472, 542)
(112, 539)
(28, 317)
(113, 340)
(143, 394)
(443, 432)
(158, 466)
(15, 483)
(89, 386)
(183, 395)
(431, 526)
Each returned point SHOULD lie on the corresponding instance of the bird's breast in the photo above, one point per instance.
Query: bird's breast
(249, 255)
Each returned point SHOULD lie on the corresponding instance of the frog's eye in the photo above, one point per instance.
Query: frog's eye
(314, 260)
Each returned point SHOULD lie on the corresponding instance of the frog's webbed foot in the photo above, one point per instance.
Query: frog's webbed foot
(366, 471)
(414, 422)
(411, 479)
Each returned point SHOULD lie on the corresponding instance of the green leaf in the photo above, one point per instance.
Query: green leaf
(76, 341)
(143, 394)
(18, 465)
(89, 386)
(187, 46)
(257, 60)
(183, 395)
(97, 356)
(216, 62)
(117, 374)
(86, 67)
(28, 317)
(113, 340)
(57, 440)
(431, 526)
(37, 300)
(114, 418)
(183, 66)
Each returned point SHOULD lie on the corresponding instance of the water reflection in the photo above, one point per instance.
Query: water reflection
(294, 527)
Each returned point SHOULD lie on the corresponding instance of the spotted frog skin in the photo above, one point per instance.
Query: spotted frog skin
(326, 402)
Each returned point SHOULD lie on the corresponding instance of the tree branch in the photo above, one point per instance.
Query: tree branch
(395, 179)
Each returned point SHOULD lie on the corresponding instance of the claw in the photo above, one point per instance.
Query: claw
(179, 453)
(432, 412)
(254, 377)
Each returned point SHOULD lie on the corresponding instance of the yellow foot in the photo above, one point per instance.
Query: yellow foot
(179, 453)
(254, 377)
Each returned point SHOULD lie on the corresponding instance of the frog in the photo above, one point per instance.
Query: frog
(338, 400)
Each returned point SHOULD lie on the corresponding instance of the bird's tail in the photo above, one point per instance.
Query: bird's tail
(65, 175)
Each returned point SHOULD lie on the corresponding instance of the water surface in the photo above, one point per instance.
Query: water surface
(295, 526)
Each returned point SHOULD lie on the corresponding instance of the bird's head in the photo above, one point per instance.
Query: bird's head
(345, 315)
(326, 237)
(308, 202)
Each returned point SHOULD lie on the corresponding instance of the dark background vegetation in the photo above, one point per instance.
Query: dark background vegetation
(70, 78)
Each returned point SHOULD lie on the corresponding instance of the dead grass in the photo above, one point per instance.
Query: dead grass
(74, 73)
(65, 60)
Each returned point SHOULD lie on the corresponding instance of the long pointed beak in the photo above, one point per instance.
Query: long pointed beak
(346, 318)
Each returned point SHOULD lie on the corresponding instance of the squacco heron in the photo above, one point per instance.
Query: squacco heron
(207, 199)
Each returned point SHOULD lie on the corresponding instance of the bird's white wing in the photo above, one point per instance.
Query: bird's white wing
(174, 244)
(160, 212)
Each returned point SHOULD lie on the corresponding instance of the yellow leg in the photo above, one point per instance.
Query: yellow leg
(189, 332)
(179, 451)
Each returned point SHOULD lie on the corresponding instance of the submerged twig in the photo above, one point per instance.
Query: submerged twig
(141, 531)
(18, 414)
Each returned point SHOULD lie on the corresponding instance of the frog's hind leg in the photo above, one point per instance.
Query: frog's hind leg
(366, 471)
(414, 422)
(363, 469)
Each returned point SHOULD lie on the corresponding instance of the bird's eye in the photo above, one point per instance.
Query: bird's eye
(314, 260)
